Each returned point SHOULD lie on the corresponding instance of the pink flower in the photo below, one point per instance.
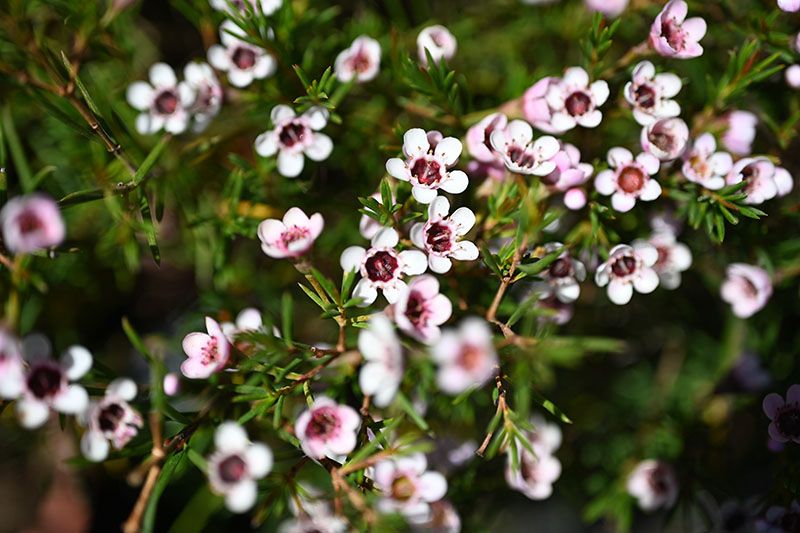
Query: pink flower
(293, 236)
(792, 74)
(609, 8)
(206, 353)
(382, 372)
(535, 107)
(759, 174)
(741, 132)
(425, 166)
(242, 61)
(293, 136)
(111, 419)
(536, 473)
(790, 6)
(235, 466)
(407, 487)
(575, 198)
(520, 153)
(562, 278)
(12, 369)
(201, 79)
(30, 223)
(573, 101)
(784, 415)
(466, 357)
(438, 41)
(381, 267)
(628, 268)
(164, 103)
(783, 181)
(628, 179)
(704, 165)
(172, 384)
(673, 258)
(666, 138)
(267, 7)
(569, 171)
(479, 137)
(442, 235)
(367, 225)
(654, 485)
(327, 429)
(650, 94)
(361, 61)
(747, 288)
(671, 35)
(421, 309)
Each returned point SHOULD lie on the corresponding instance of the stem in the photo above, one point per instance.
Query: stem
(134, 522)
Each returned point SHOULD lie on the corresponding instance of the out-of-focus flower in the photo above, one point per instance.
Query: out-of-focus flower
(536, 474)
(208, 100)
(438, 41)
(569, 173)
(654, 485)
(12, 369)
(164, 102)
(520, 153)
(780, 519)
(444, 519)
(759, 175)
(466, 357)
(110, 419)
(442, 236)
(291, 237)
(673, 35)
(207, 353)
(628, 179)
(327, 429)
(741, 132)
(294, 136)
(248, 319)
(30, 223)
(361, 61)
(382, 266)
(792, 74)
(235, 466)
(382, 372)
(421, 309)
(784, 183)
(426, 167)
(172, 383)
(651, 94)
(407, 487)
(784, 415)
(703, 164)
(666, 138)
(790, 6)
(242, 61)
(558, 312)
(267, 7)
(673, 258)
(556, 105)
(609, 8)
(628, 268)
(479, 136)
(747, 288)
(317, 522)
(564, 275)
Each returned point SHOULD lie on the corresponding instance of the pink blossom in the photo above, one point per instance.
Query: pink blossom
(382, 372)
(666, 138)
(479, 136)
(421, 309)
(654, 485)
(673, 258)
(569, 172)
(628, 179)
(361, 61)
(784, 415)
(628, 268)
(327, 429)
(293, 236)
(438, 41)
(207, 353)
(164, 102)
(110, 419)
(759, 175)
(792, 74)
(442, 236)
(790, 6)
(267, 7)
(672, 35)
(30, 223)
(609, 8)
(381, 267)
(426, 166)
(172, 384)
(466, 357)
(201, 79)
(741, 132)
(704, 165)
(575, 198)
(563, 276)
(535, 106)
(12, 369)
(747, 288)
(571, 101)
(407, 487)
(520, 153)
(536, 474)
(650, 94)
(243, 61)
(294, 136)
(235, 466)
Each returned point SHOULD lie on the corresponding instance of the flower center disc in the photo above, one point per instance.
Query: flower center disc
(166, 103)
(381, 266)
(631, 179)
(578, 103)
(244, 58)
(624, 266)
(45, 381)
(438, 237)
(292, 134)
(232, 469)
(426, 171)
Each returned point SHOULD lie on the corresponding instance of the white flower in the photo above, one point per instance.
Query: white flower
(421, 309)
(650, 94)
(408, 487)
(438, 41)
(425, 167)
(164, 103)
(235, 466)
(110, 419)
(12, 370)
(573, 101)
(628, 268)
(382, 266)
(295, 136)
(201, 78)
(267, 7)
(382, 372)
(563, 276)
(242, 61)
(704, 165)
(759, 175)
(520, 154)
(653, 484)
(442, 235)
(784, 182)
(673, 258)
(466, 357)
(327, 429)
(291, 237)
(248, 319)
(666, 138)
(628, 179)
(747, 288)
(536, 473)
(362, 60)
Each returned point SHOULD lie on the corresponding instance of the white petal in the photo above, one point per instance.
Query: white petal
(32, 413)
(317, 117)
(415, 262)
(619, 292)
(386, 238)
(622, 202)
(162, 75)
(94, 446)
(267, 144)
(259, 460)
(139, 95)
(218, 57)
(290, 164)
(576, 77)
(242, 497)
(123, 388)
(320, 148)
(600, 92)
(424, 195)
(230, 437)
(604, 183)
(281, 113)
(76, 361)
(448, 149)
(456, 182)
(439, 208)
(351, 258)
(520, 132)
(71, 400)
(440, 264)
(415, 142)
(366, 292)
(650, 191)
(646, 282)
(397, 168)
(619, 156)
(465, 218)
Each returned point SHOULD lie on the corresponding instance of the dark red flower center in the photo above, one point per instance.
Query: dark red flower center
(662, 139)
(244, 58)
(487, 133)
(624, 266)
(415, 307)
(439, 237)
(671, 31)
(560, 268)
(360, 62)
(28, 222)
(631, 179)
(381, 266)
(210, 351)
(232, 469)
(45, 380)
(323, 422)
(426, 171)
(521, 157)
(166, 103)
(291, 134)
(110, 416)
(578, 103)
(659, 480)
(645, 96)
(788, 421)
(663, 255)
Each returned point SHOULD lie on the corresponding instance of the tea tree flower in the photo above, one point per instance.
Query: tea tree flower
(557, 312)
(654, 485)
(381, 267)
(704, 165)
(747, 288)
(242, 61)
(291, 237)
(792, 75)
(479, 136)
(741, 132)
(520, 153)
(236, 465)
(673, 35)
(201, 79)
(164, 102)
(569, 172)
(466, 357)
(666, 138)
(267, 7)
(438, 41)
(536, 474)
(294, 136)
(609, 8)
(426, 167)
(673, 258)
(361, 61)
(650, 94)
(442, 235)
(207, 353)
(790, 6)
(628, 179)
(421, 309)
(759, 175)
(573, 101)
(408, 487)
(382, 372)
(784, 415)
(12, 369)
(31, 223)
(327, 429)
(535, 106)
(111, 419)
(628, 268)
(563, 276)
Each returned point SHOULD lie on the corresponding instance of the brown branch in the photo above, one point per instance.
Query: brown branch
(134, 522)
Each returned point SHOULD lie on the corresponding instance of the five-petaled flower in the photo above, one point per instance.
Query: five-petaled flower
(30, 223)
(650, 94)
(535, 474)
(291, 237)
(556, 105)
(361, 61)
(164, 102)
(628, 179)
(654, 485)
(382, 372)
(747, 288)
(466, 357)
(672, 35)
(207, 353)
(327, 429)
(208, 93)
(442, 235)
(242, 61)
(438, 41)
(665, 138)
(704, 165)
(628, 268)
(408, 487)
(673, 258)
(293, 136)
(758, 173)
(421, 309)
(563, 276)
(784, 415)
(520, 153)
(110, 419)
